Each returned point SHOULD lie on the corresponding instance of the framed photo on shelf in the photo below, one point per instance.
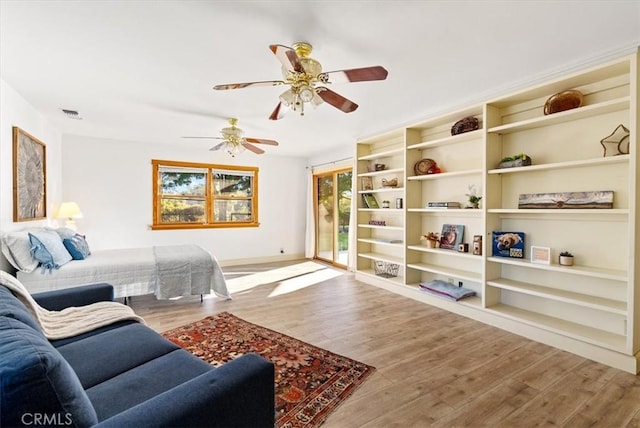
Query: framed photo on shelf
(370, 201)
(451, 236)
(366, 183)
(541, 255)
(508, 244)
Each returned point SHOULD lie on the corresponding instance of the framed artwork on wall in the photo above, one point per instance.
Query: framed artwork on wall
(29, 177)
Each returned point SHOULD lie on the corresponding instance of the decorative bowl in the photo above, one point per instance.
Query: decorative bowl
(565, 100)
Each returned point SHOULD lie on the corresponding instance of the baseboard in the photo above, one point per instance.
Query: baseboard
(257, 260)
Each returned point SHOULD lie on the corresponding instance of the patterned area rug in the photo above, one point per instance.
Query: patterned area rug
(310, 382)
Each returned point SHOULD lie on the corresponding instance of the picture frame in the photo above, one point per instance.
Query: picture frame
(370, 201)
(366, 183)
(567, 200)
(508, 244)
(29, 177)
(540, 255)
(451, 236)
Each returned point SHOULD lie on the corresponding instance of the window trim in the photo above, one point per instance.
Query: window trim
(156, 164)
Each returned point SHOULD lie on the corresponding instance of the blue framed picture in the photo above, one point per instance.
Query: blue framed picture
(508, 244)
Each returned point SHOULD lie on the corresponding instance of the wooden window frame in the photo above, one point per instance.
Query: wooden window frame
(209, 196)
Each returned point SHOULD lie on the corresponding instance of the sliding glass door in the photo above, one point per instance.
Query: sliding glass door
(333, 209)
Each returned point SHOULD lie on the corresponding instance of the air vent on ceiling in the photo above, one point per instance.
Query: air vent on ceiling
(72, 114)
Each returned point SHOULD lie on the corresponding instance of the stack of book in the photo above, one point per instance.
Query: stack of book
(444, 205)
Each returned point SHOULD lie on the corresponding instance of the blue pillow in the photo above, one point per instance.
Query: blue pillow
(51, 242)
(37, 380)
(77, 246)
(41, 254)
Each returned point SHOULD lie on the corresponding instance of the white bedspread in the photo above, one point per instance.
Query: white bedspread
(132, 272)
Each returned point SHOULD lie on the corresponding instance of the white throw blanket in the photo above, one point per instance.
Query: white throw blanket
(69, 321)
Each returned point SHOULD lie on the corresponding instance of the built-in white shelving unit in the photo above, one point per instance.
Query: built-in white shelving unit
(588, 308)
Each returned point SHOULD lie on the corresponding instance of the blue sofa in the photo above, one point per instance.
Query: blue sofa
(121, 375)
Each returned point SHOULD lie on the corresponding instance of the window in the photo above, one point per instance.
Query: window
(190, 195)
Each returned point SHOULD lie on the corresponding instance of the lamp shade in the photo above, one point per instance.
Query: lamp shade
(69, 210)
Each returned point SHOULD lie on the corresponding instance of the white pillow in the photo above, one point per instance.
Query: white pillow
(17, 249)
(53, 243)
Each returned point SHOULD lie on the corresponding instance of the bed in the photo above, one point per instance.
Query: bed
(166, 271)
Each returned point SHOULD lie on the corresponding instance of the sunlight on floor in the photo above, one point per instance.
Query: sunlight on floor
(300, 282)
(248, 282)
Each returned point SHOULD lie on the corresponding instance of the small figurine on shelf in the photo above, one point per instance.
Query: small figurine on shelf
(474, 199)
(566, 258)
(432, 239)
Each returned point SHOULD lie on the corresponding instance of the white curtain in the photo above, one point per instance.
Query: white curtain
(353, 224)
(310, 232)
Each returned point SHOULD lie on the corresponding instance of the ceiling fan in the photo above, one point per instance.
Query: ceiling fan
(233, 141)
(303, 73)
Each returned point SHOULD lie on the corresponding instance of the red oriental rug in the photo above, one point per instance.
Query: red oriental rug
(310, 382)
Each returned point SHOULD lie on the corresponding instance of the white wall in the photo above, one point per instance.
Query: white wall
(16, 111)
(111, 181)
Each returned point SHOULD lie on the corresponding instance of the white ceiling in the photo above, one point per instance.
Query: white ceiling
(143, 71)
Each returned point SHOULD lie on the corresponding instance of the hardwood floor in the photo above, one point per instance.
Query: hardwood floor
(434, 368)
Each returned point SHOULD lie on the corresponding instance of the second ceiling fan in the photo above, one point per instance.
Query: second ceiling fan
(233, 141)
(303, 74)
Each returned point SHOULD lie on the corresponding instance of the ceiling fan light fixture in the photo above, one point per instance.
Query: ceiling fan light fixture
(232, 148)
(288, 98)
(306, 93)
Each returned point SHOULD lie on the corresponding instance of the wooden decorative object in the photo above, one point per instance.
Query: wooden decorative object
(29, 177)
(465, 125)
(565, 100)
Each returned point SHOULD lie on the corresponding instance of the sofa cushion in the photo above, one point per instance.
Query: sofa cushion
(11, 307)
(146, 381)
(36, 380)
(114, 352)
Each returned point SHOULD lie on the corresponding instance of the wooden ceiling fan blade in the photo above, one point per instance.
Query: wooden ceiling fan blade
(216, 147)
(262, 141)
(277, 112)
(288, 57)
(337, 100)
(357, 74)
(253, 148)
(248, 84)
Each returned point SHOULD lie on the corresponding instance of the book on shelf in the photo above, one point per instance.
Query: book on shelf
(389, 241)
(438, 204)
(445, 290)
(369, 200)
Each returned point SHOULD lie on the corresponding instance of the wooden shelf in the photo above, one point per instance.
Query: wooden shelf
(383, 172)
(382, 154)
(563, 165)
(609, 274)
(377, 227)
(446, 271)
(379, 242)
(565, 116)
(382, 257)
(599, 303)
(580, 332)
(451, 253)
(454, 139)
(442, 175)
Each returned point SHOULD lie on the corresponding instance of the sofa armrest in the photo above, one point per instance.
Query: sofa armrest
(57, 300)
(239, 393)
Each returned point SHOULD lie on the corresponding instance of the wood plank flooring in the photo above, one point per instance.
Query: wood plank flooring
(434, 368)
